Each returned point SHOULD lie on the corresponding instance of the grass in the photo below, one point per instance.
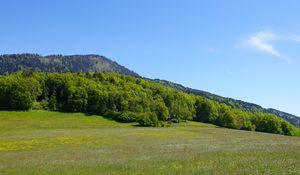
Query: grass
(41, 142)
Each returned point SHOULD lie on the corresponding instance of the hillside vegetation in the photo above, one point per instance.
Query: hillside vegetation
(53, 143)
(238, 104)
(127, 99)
(94, 63)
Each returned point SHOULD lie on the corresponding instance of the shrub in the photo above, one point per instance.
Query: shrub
(149, 119)
(127, 117)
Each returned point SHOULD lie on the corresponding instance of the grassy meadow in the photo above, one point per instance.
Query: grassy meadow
(52, 143)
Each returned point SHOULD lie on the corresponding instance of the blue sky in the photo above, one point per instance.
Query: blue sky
(247, 50)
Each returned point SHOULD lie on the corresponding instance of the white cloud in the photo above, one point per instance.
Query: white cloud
(212, 50)
(262, 41)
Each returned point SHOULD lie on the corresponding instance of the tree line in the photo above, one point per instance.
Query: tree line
(237, 104)
(127, 99)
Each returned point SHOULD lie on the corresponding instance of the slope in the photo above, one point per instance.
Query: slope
(238, 104)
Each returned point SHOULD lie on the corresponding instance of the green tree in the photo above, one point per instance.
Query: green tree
(206, 111)
(77, 99)
(161, 111)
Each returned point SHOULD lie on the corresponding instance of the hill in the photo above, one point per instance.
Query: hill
(58, 63)
(127, 99)
(54, 143)
(238, 104)
(94, 63)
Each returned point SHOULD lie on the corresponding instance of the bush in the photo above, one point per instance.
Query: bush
(112, 114)
(128, 117)
(41, 105)
(149, 119)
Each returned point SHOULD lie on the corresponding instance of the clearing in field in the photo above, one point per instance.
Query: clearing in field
(42, 142)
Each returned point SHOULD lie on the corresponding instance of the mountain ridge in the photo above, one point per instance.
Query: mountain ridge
(11, 63)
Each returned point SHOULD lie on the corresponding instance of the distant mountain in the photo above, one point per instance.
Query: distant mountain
(238, 104)
(59, 63)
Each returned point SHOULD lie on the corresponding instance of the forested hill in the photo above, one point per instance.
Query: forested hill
(94, 63)
(238, 104)
(127, 99)
(59, 63)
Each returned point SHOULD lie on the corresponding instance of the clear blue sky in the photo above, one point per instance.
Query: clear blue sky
(247, 50)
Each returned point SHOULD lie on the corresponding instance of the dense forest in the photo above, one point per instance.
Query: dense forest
(238, 104)
(127, 99)
(58, 63)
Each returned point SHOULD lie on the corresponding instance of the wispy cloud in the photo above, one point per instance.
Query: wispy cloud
(212, 50)
(295, 38)
(262, 41)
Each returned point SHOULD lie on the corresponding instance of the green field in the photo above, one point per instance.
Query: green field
(41, 142)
